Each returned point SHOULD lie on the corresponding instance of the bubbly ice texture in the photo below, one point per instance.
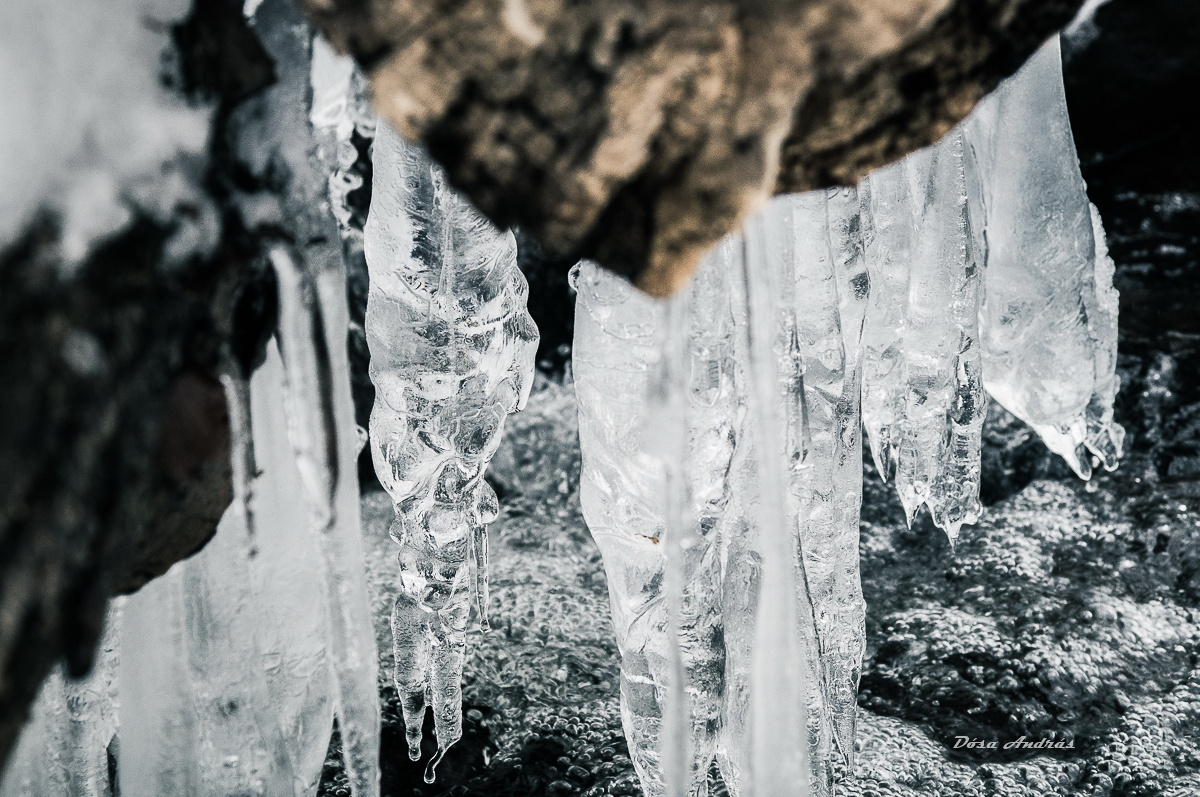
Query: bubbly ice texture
(923, 402)
(452, 354)
(1050, 313)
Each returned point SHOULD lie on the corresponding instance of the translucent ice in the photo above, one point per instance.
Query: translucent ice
(63, 749)
(289, 613)
(774, 351)
(452, 349)
(657, 405)
(195, 713)
(312, 334)
(923, 391)
(1050, 313)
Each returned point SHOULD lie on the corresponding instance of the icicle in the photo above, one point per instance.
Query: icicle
(782, 756)
(1050, 313)
(452, 351)
(289, 612)
(312, 342)
(63, 749)
(923, 398)
(656, 402)
(666, 438)
(830, 297)
(196, 712)
(159, 745)
(350, 632)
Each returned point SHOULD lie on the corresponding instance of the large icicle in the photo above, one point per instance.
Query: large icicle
(657, 403)
(727, 619)
(1050, 314)
(923, 393)
(830, 299)
(452, 353)
(312, 334)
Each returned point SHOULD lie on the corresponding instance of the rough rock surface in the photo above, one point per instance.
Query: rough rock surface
(638, 133)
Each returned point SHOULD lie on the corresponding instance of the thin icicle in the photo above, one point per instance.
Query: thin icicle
(353, 657)
(830, 296)
(289, 612)
(666, 438)
(1050, 313)
(782, 673)
(452, 351)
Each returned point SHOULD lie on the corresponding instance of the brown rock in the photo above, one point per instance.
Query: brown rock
(638, 132)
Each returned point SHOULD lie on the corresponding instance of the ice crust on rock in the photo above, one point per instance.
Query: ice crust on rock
(452, 354)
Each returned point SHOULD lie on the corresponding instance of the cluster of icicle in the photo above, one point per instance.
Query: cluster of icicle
(720, 430)
(224, 676)
(721, 436)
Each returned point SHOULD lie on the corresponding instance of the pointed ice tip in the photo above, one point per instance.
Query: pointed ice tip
(414, 752)
(1081, 462)
(431, 769)
(952, 530)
